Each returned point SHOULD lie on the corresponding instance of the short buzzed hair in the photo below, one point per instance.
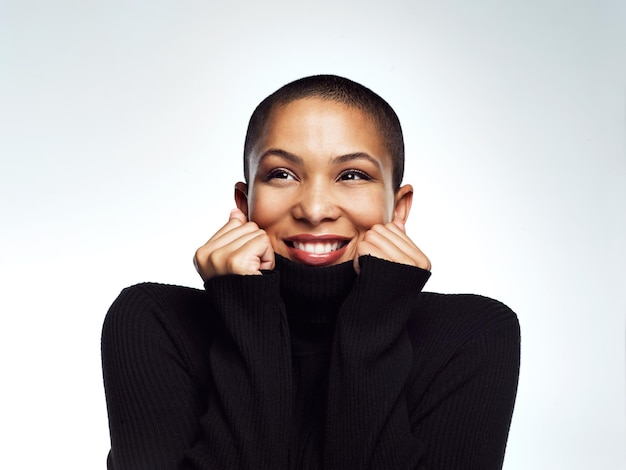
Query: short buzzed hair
(340, 90)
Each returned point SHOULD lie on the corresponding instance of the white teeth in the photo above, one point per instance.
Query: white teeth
(317, 248)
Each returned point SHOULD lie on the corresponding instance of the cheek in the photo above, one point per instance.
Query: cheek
(369, 210)
(266, 211)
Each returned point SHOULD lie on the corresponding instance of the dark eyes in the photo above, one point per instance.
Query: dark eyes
(280, 174)
(354, 175)
(347, 175)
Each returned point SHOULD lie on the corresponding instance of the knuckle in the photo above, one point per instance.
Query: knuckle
(214, 258)
(428, 263)
(202, 251)
(231, 264)
(371, 236)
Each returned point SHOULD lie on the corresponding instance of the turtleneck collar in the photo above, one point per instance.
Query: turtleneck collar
(313, 294)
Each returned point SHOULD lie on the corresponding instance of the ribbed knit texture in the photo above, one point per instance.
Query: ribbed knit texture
(306, 368)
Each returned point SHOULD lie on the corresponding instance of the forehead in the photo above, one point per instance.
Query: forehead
(322, 126)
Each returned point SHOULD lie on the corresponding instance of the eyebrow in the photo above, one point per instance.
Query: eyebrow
(356, 156)
(335, 161)
(293, 158)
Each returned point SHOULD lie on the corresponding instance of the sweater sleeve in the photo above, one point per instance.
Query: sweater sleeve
(377, 419)
(463, 416)
(166, 413)
(248, 415)
(153, 399)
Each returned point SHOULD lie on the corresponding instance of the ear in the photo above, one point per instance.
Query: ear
(241, 198)
(403, 200)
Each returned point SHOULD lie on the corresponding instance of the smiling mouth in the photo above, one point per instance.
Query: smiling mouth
(317, 248)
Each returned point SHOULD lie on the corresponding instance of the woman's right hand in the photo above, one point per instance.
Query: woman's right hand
(239, 247)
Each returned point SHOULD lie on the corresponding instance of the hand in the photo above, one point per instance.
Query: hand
(239, 247)
(390, 242)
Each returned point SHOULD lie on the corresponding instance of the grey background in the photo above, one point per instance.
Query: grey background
(121, 130)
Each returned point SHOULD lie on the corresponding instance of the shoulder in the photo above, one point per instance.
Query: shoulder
(160, 292)
(157, 298)
(155, 329)
(467, 306)
(457, 319)
(161, 296)
(150, 307)
(458, 336)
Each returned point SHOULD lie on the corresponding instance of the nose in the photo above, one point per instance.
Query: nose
(315, 204)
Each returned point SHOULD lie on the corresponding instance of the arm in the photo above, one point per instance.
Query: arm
(462, 406)
(368, 425)
(154, 395)
(249, 408)
(183, 393)
(417, 398)
(419, 384)
(246, 424)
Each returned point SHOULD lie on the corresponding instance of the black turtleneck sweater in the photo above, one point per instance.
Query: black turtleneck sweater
(309, 368)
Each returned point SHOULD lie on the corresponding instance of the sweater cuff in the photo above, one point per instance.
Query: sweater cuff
(381, 273)
(249, 306)
(245, 290)
(377, 310)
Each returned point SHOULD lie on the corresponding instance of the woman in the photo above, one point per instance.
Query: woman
(312, 345)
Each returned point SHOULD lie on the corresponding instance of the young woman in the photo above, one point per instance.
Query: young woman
(312, 345)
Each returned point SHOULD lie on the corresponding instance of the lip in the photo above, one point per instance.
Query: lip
(316, 259)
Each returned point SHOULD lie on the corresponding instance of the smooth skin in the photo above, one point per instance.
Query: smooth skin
(320, 193)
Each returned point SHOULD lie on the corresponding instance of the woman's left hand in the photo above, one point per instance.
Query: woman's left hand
(390, 242)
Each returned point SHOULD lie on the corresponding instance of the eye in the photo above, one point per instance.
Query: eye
(354, 175)
(280, 174)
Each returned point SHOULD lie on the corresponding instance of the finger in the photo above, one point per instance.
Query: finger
(390, 243)
(248, 254)
(211, 256)
(251, 257)
(228, 243)
(393, 255)
(374, 247)
(399, 249)
(232, 223)
(236, 218)
(355, 263)
(391, 233)
(398, 222)
(230, 232)
(267, 258)
(237, 214)
(399, 237)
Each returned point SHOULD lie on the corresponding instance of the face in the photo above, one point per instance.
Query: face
(320, 178)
